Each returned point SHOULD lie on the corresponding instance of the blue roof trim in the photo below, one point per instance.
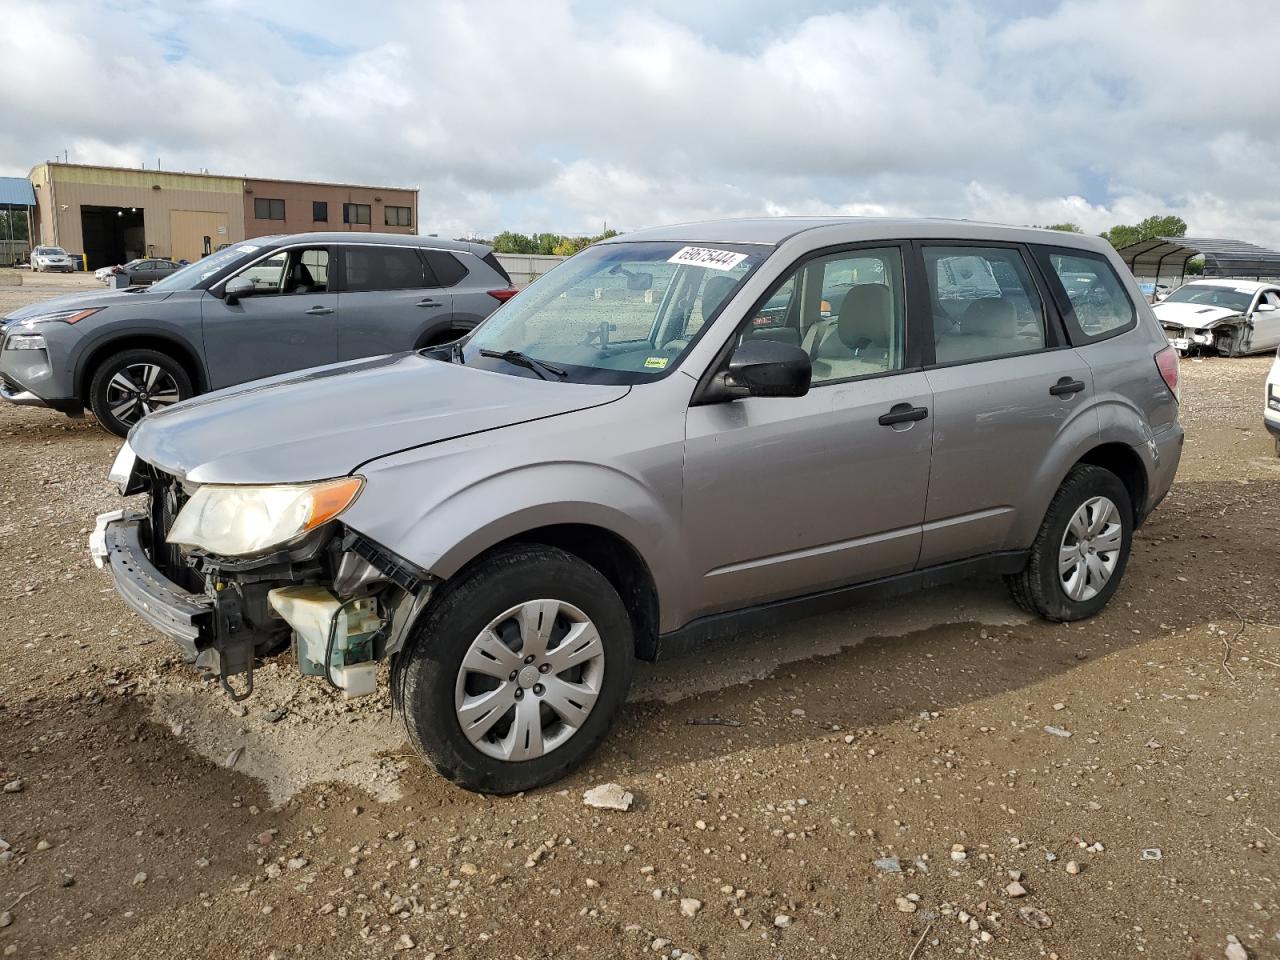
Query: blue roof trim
(16, 192)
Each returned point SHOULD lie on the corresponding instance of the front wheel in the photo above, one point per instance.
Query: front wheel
(131, 384)
(1081, 550)
(515, 673)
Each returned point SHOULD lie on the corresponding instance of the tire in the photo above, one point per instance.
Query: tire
(107, 397)
(1041, 588)
(431, 691)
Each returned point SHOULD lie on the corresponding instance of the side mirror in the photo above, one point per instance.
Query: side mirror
(768, 368)
(1264, 308)
(236, 288)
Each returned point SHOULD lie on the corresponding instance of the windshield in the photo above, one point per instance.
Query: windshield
(1212, 296)
(50, 252)
(192, 275)
(616, 313)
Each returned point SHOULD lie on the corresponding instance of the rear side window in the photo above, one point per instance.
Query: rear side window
(1099, 306)
(985, 304)
(381, 268)
(445, 266)
(492, 260)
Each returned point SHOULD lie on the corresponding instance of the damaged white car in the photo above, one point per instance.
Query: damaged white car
(1233, 318)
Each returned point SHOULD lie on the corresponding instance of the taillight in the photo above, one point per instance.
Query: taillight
(1167, 364)
(503, 295)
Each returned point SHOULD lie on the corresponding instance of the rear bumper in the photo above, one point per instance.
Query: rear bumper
(184, 617)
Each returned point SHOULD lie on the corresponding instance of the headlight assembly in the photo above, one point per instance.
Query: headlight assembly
(25, 341)
(234, 521)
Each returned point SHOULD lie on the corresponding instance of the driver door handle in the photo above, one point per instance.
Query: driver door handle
(319, 311)
(903, 413)
(428, 302)
(1066, 386)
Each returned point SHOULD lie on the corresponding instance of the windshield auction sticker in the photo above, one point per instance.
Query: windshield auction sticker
(708, 257)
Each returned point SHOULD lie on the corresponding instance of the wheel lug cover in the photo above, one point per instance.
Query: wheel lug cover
(538, 689)
(544, 668)
(529, 659)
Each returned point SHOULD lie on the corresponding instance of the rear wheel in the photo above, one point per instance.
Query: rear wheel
(516, 671)
(1081, 550)
(130, 384)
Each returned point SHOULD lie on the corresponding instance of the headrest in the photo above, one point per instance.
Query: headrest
(714, 290)
(866, 316)
(990, 317)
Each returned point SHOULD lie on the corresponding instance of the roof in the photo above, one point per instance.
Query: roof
(352, 236)
(16, 192)
(144, 171)
(774, 230)
(1222, 258)
(1244, 286)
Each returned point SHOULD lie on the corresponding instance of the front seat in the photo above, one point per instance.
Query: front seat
(301, 281)
(714, 290)
(860, 340)
(988, 328)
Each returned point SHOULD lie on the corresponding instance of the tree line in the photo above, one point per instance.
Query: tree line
(546, 244)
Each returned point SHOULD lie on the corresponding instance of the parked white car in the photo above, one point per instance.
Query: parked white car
(1233, 318)
(1271, 405)
(52, 258)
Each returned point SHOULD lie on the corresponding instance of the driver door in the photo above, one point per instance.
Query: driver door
(786, 496)
(289, 323)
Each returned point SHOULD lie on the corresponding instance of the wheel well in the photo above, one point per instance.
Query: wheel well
(180, 352)
(621, 565)
(1127, 465)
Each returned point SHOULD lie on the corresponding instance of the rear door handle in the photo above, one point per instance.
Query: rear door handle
(903, 413)
(1066, 386)
(319, 311)
(428, 302)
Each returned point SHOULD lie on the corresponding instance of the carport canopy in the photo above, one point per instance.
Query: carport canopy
(1222, 258)
(16, 193)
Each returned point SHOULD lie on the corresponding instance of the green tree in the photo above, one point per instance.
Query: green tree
(1064, 227)
(510, 242)
(15, 221)
(1123, 235)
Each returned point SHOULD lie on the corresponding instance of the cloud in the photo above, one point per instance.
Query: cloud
(558, 116)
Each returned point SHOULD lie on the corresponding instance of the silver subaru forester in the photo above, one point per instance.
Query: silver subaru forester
(677, 435)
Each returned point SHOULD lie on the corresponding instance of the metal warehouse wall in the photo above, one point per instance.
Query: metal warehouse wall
(526, 267)
(189, 203)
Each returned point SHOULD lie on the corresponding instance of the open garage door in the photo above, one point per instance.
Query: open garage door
(191, 230)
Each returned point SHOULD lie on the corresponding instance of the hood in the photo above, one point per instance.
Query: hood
(327, 421)
(1192, 315)
(95, 298)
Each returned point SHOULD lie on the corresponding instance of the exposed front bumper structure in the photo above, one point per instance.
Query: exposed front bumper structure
(182, 616)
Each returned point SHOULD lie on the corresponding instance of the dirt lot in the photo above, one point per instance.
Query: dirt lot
(156, 819)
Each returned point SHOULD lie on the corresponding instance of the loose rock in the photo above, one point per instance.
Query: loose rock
(1036, 919)
(14, 786)
(689, 906)
(608, 796)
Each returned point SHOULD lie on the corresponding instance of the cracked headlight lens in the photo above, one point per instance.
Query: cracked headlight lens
(234, 521)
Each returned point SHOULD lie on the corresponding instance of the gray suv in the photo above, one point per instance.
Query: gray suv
(269, 305)
(675, 436)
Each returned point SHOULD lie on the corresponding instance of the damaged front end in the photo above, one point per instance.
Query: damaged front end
(338, 600)
(1228, 336)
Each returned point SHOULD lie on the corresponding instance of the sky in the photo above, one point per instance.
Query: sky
(565, 116)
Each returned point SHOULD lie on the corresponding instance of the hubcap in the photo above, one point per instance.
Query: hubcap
(139, 389)
(529, 681)
(1090, 549)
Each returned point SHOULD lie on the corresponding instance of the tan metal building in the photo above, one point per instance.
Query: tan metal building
(114, 214)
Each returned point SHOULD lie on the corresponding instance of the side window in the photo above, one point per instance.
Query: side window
(445, 266)
(398, 216)
(267, 209)
(1273, 298)
(308, 271)
(266, 274)
(355, 213)
(846, 310)
(381, 268)
(985, 304)
(320, 211)
(1099, 304)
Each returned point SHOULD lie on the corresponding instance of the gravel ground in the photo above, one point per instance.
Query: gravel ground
(887, 787)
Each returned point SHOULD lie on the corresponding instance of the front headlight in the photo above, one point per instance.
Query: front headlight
(233, 521)
(25, 341)
(61, 316)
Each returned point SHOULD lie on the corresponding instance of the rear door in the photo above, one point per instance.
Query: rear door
(1005, 385)
(289, 323)
(390, 300)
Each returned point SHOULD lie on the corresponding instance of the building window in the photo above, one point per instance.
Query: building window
(398, 216)
(265, 209)
(355, 213)
(319, 211)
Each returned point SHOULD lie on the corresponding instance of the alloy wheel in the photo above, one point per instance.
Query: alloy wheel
(530, 680)
(139, 389)
(1090, 549)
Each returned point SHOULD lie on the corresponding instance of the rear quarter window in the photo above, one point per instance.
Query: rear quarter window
(1090, 293)
(445, 266)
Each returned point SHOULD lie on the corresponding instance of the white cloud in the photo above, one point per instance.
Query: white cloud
(560, 117)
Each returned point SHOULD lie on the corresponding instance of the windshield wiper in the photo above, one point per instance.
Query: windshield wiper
(524, 360)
